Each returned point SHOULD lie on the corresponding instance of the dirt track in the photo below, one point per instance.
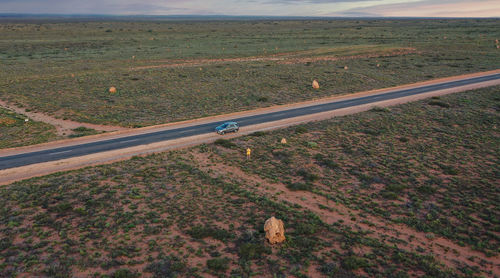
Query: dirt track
(279, 58)
(63, 127)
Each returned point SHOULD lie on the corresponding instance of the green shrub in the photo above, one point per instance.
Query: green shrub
(200, 232)
(125, 273)
(80, 211)
(82, 131)
(62, 207)
(57, 270)
(389, 195)
(5, 243)
(225, 143)
(354, 262)
(329, 269)
(168, 267)
(323, 161)
(250, 251)
(380, 109)
(308, 176)
(312, 144)
(259, 133)
(284, 156)
(448, 170)
(439, 103)
(218, 264)
(305, 228)
(371, 131)
(301, 129)
(300, 186)
(395, 187)
(426, 189)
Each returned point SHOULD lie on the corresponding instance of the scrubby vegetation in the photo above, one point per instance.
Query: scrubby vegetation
(82, 131)
(167, 71)
(173, 214)
(162, 215)
(15, 132)
(432, 165)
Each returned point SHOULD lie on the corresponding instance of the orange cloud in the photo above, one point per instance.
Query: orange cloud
(481, 8)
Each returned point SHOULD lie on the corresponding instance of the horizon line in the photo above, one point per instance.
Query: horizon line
(13, 14)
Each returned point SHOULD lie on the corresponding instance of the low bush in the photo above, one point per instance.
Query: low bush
(299, 186)
(378, 109)
(168, 267)
(218, 264)
(329, 269)
(300, 129)
(250, 251)
(200, 232)
(439, 103)
(354, 262)
(308, 176)
(426, 189)
(259, 133)
(225, 143)
(324, 161)
(82, 131)
(125, 273)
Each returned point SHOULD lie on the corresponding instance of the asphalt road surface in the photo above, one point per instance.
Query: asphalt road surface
(55, 154)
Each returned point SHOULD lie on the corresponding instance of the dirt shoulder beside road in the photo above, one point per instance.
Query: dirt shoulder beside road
(10, 175)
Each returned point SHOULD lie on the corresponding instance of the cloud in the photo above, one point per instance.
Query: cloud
(97, 6)
(351, 8)
(431, 8)
(309, 2)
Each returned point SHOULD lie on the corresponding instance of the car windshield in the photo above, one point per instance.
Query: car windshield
(224, 125)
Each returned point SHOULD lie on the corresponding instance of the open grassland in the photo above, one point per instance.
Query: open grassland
(432, 165)
(162, 216)
(170, 71)
(15, 132)
(356, 194)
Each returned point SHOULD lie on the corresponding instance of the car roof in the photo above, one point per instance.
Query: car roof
(230, 123)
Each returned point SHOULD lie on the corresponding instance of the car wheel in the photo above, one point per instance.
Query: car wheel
(236, 130)
(222, 133)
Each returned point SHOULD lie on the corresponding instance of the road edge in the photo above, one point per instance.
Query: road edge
(275, 108)
(41, 169)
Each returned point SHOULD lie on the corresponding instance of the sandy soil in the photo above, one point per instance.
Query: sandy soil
(446, 251)
(14, 174)
(280, 58)
(63, 127)
(399, 52)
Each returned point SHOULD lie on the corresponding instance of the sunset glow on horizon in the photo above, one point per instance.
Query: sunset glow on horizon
(352, 8)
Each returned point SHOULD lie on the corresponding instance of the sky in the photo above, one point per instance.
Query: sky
(353, 8)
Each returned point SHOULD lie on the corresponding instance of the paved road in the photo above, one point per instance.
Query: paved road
(142, 139)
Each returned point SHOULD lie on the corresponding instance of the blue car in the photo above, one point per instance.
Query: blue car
(227, 127)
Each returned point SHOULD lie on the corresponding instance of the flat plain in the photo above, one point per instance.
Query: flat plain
(406, 191)
(169, 71)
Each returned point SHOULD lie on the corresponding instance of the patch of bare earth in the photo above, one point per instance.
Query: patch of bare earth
(63, 127)
(399, 52)
(279, 58)
(447, 252)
